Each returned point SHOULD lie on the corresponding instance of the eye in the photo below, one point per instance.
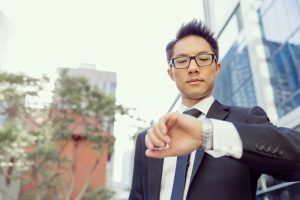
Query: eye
(204, 58)
(181, 60)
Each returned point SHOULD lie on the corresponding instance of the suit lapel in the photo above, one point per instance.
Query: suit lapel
(197, 161)
(216, 111)
(155, 167)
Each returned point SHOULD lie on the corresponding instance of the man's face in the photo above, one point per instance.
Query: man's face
(195, 83)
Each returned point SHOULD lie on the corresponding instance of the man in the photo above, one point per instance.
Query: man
(224, 149)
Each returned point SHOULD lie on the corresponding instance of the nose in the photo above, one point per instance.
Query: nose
(193, 67)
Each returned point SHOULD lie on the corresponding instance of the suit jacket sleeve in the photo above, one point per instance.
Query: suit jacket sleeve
(269, 149)
(136, 192)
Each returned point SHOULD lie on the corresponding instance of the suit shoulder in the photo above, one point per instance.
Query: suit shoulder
(253, 114)
(231, 108)
(256, 110)
(238, 108)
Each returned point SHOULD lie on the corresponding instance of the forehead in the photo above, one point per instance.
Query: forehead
(191, 45)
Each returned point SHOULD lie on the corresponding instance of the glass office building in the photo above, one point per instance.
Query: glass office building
(260, 45)
(234, 85)
(280, 26)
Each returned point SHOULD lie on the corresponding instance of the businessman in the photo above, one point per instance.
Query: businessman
(207, 150)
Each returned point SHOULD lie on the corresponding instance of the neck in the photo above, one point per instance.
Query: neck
(191, 102)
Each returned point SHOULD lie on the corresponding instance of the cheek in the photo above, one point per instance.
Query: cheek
(178, 77)
(210, 78)
(179, 81)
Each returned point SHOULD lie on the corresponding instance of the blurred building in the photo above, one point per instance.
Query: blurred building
(8, 188)
(260, 56)
(89, 167)
(5, 32)
(105, 81)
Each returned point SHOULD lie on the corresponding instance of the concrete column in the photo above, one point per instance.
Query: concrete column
(257, 56)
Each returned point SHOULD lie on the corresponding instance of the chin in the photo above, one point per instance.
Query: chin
(198, 95)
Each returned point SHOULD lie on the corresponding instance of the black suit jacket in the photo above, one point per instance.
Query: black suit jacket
(266, 149)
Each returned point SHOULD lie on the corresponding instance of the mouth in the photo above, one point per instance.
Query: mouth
(194, 81)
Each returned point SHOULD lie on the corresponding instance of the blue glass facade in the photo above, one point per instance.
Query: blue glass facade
(234, 85)
(280, 25)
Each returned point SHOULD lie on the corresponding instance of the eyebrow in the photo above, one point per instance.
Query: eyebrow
(201, 52)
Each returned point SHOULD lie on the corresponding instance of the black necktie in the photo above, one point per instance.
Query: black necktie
(182, 166)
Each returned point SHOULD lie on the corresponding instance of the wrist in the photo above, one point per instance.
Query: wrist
(207, 134)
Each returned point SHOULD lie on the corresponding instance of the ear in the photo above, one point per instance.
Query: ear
(218, 69)
(170, 72)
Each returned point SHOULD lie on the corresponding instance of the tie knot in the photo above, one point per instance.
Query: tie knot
(193, 112)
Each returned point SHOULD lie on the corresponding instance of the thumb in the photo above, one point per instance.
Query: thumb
(158, 153)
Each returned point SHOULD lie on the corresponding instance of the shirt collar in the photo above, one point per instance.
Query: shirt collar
(203, 105)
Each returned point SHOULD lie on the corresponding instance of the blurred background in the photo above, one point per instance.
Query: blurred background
(80, 79)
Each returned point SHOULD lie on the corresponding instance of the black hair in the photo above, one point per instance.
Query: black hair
(196, 28)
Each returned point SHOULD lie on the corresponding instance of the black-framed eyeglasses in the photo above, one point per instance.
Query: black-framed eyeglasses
(202, 60)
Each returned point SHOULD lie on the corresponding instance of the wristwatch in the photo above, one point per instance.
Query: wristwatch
(207, 134)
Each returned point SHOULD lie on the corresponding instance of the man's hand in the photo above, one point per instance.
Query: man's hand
(173, 135)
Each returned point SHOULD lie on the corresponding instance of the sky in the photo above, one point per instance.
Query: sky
(126, 37)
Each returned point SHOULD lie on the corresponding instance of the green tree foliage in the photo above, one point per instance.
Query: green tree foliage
(33, 139)
(98, 194)
(77, 102)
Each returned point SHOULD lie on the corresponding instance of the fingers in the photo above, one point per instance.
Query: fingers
(156, 136)
(152, 141)
(171, 120)
(160, 130)
(156, 139)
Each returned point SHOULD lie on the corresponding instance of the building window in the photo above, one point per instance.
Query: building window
(281, 35)
(234, 85)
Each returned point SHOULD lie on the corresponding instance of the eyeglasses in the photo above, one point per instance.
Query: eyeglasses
(202, 60)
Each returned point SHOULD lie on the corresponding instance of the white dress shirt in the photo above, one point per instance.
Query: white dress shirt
(228, 144)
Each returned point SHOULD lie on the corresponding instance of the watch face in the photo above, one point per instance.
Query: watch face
(207, 125)
(207, 133)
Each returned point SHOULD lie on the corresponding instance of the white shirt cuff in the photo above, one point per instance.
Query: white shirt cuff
(226, 140)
